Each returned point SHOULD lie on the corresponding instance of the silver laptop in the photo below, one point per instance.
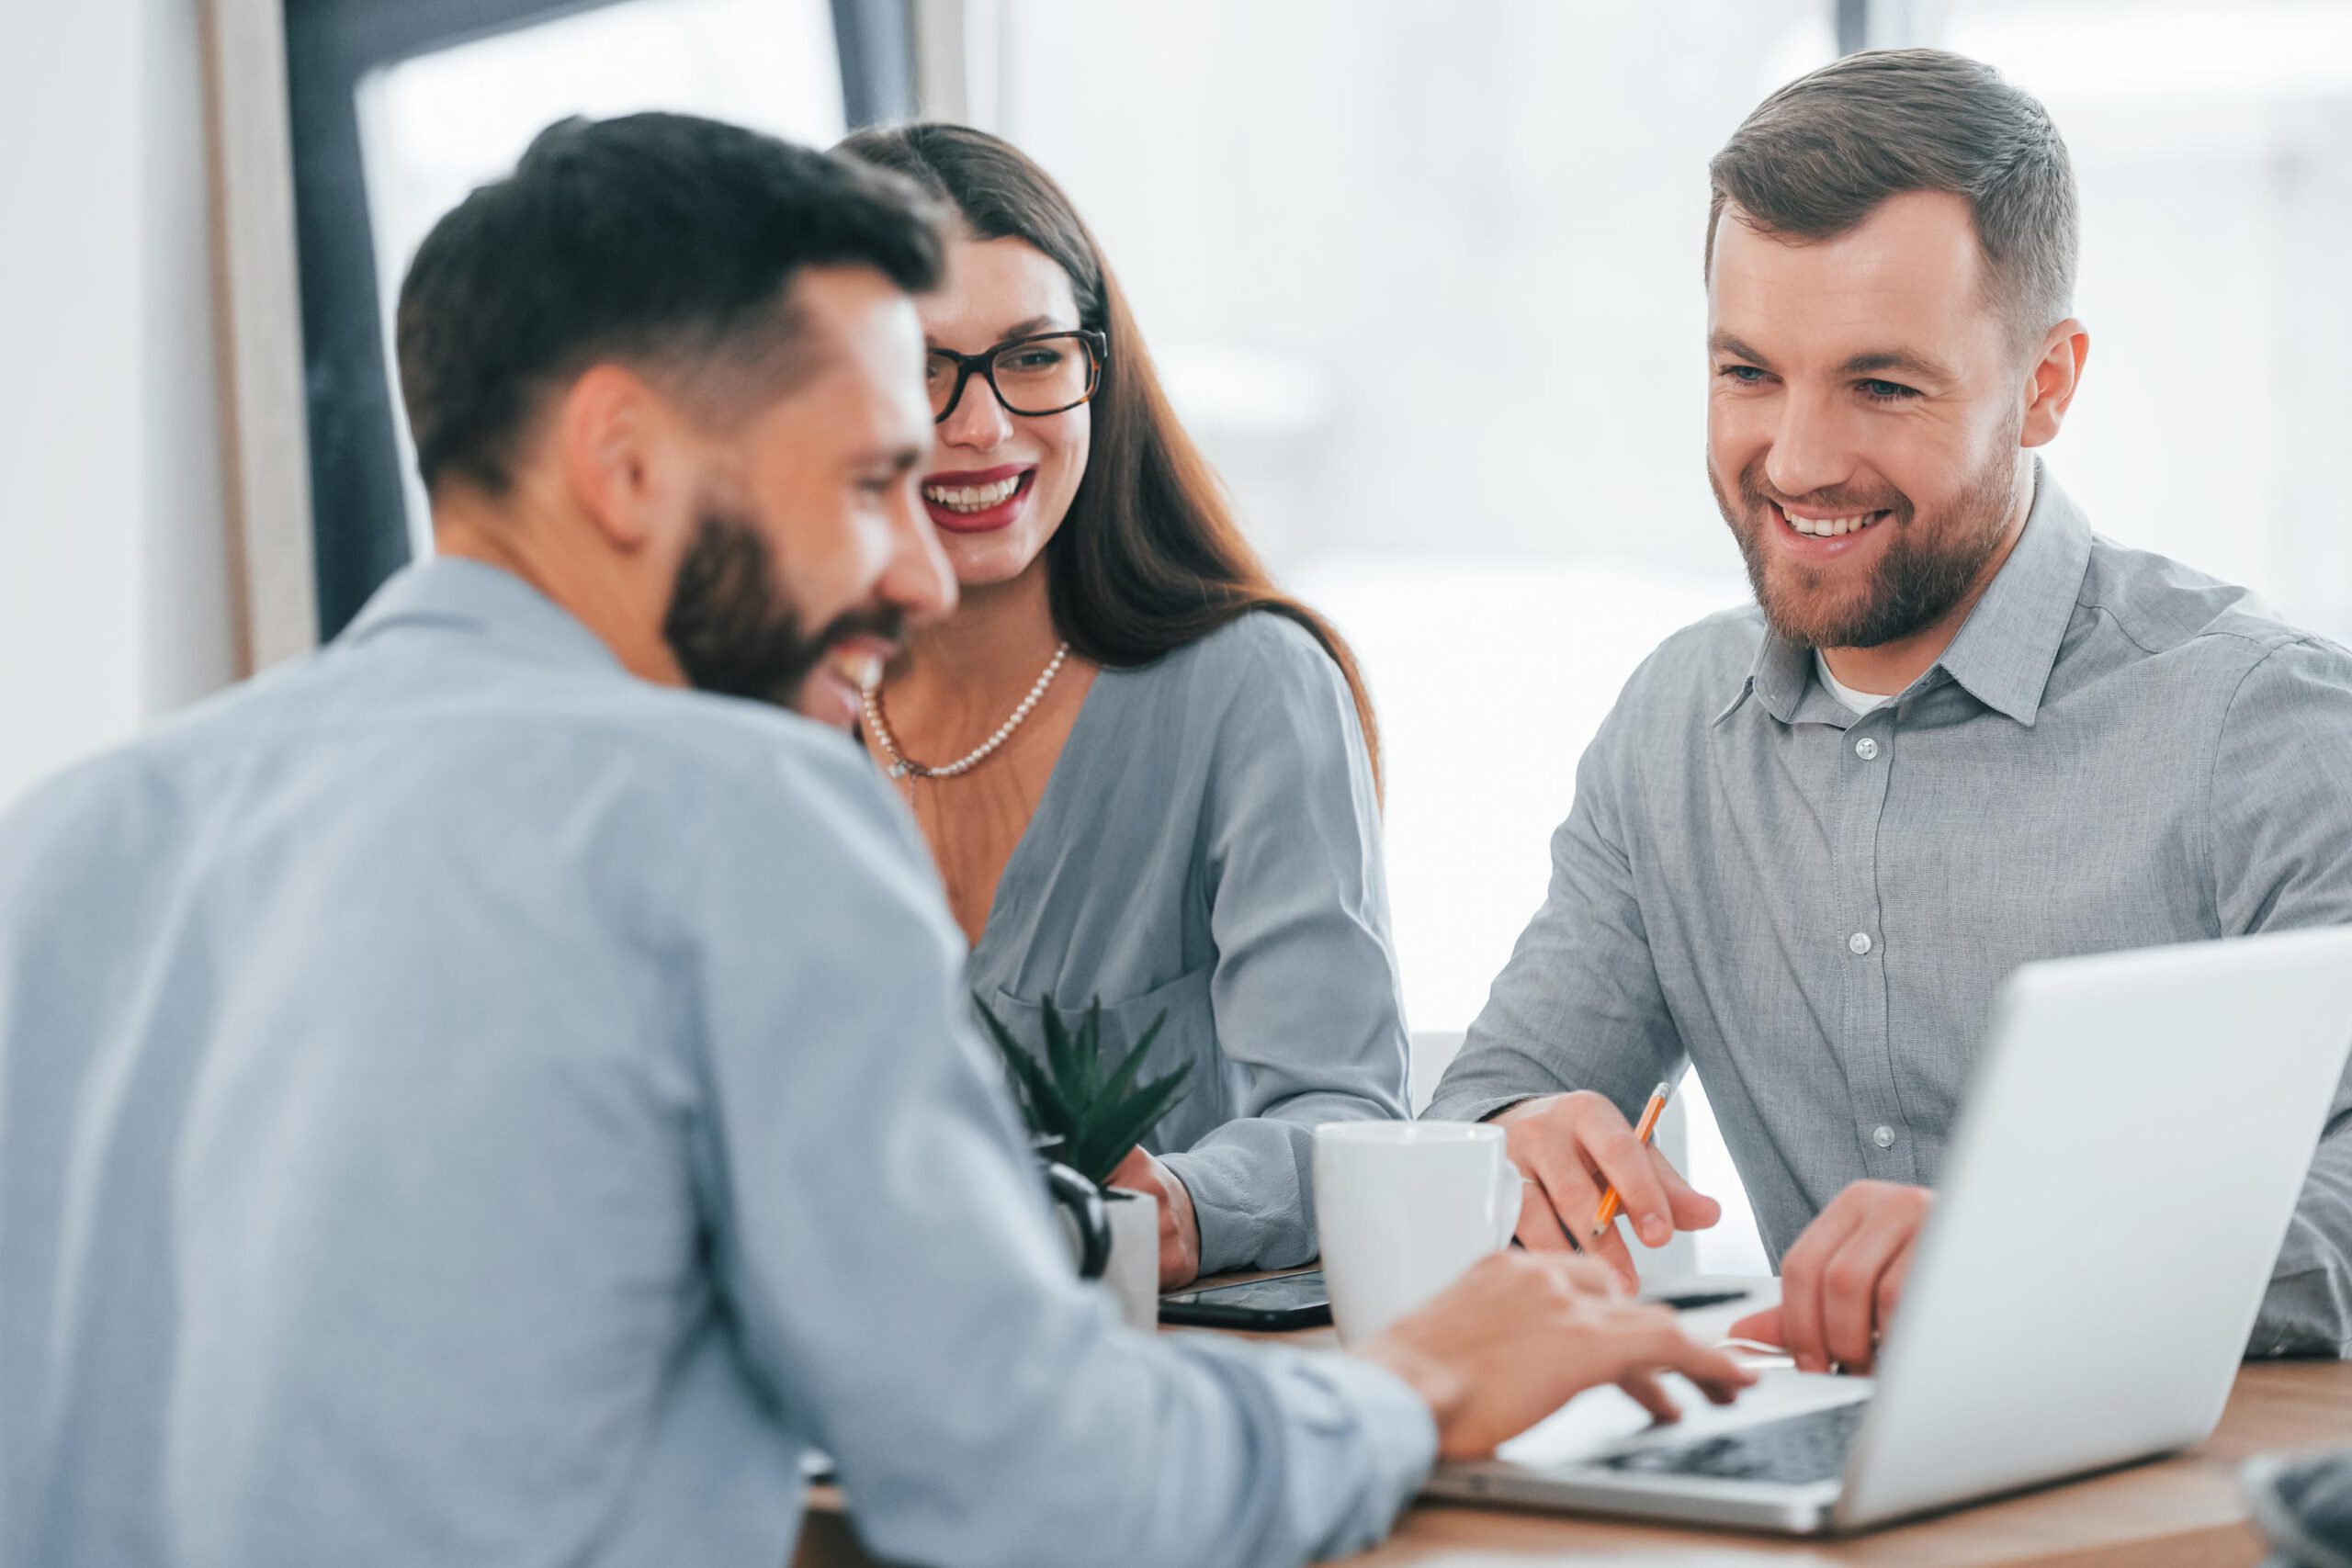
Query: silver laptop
(2115, 1195)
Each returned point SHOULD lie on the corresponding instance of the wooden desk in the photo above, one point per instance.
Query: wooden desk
(2183, 1512)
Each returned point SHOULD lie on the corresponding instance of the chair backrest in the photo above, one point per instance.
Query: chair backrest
(1433, 1051)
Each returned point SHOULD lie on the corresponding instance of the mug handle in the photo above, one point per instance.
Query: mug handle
(1084, 1202)
(1510, 1190)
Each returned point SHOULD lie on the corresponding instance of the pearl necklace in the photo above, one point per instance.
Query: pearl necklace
(901, 765)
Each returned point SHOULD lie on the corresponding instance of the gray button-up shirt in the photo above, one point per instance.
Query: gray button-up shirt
(460, 1104)
(1813, 907)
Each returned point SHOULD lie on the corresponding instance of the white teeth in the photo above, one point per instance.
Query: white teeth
(863, 670)
(972, 498)
(1829, 527)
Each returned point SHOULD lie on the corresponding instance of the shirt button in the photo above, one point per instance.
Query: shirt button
(1866, 749)
(1884, 1138)
(1858, 944)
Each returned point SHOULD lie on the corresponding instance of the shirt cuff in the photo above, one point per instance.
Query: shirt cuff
(1238, 1231)
(2303, 1314)
(1471, 1108)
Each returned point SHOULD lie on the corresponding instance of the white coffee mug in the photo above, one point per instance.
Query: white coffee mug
(1405, 1208)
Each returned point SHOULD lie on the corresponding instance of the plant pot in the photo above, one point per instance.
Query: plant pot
(1085, 1226)
(1132, 1274)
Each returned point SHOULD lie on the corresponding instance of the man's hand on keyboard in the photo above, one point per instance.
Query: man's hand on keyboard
(1842, 1280)
(1508, 1343)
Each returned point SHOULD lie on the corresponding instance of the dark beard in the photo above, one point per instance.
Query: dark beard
(1920, 575)
(731, 627)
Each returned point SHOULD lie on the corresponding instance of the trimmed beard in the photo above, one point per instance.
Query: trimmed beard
(1921, 574)
(732, 628)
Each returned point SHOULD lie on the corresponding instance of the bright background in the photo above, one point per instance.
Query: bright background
(1425, 279)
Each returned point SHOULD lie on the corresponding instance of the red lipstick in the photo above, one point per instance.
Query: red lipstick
(989, 519)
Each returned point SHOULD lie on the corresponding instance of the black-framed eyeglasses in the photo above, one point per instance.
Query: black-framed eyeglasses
(1045, 373)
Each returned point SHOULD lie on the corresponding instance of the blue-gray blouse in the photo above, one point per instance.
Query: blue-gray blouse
(1208, 846)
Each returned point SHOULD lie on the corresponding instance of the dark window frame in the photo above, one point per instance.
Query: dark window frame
(358, 507)
(1852, 20)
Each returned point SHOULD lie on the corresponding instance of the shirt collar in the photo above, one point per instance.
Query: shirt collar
(1778, 677)
(2005, 650)
(2010, 643)
(475, 596)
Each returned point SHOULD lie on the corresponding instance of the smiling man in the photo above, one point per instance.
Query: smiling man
(1956, 732)
(468, 1098)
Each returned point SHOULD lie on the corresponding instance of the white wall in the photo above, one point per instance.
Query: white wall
(113, 580)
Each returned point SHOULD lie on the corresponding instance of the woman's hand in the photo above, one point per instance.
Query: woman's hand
(1180, 1228)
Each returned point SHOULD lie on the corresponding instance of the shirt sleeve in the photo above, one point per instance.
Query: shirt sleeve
(1579, 1005)
(880, 1238)
(1305, 993)
(2281, 810)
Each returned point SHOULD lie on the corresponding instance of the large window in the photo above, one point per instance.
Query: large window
(1427, 282)
(434, 126)
(2213, 145)
(399, 109)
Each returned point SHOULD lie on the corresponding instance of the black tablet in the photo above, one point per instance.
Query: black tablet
(1284, 1301)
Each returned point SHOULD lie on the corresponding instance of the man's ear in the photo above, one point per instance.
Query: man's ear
(617, 445)
(2051, 381)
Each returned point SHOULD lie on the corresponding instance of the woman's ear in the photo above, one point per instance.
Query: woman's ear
(622, 455)
(2052, 379)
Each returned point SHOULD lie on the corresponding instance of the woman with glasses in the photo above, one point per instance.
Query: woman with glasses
(1145, 773)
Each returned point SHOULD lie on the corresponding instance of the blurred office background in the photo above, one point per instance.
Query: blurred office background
(1424, 277)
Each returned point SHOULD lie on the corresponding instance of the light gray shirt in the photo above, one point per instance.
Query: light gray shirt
(1813, 907)
(1208, 848)
(461, 1104)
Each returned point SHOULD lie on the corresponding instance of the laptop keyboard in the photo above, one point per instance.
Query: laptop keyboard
(1792, 1451)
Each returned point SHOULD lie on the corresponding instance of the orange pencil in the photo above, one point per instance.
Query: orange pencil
(1610, 1201)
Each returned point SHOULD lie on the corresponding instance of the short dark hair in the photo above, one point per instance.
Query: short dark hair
(1818, 156)
(661, 240)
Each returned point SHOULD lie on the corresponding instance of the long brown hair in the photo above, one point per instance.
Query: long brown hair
(1149, 557)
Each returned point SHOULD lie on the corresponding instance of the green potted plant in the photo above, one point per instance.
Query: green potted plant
(1091, 1114)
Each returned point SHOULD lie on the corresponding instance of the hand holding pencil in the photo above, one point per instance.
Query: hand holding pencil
(1584, 1164)
(1612, 1201)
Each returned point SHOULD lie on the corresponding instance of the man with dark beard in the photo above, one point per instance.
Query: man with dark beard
(1957, 732)
(460, 1103)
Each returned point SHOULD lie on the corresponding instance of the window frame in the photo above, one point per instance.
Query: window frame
(359, 532)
